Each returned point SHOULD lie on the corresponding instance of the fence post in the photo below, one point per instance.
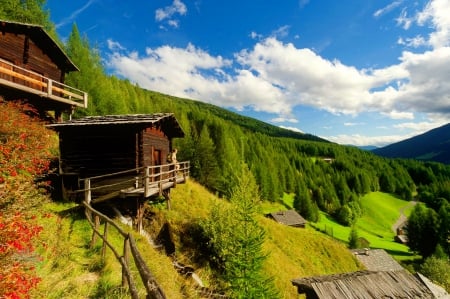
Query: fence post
(147, 181)
(94, 233)
(105, 238)
(50, 87)
(126, 257)
(87, 191)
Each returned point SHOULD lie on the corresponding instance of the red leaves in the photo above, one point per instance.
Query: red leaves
(17, 233)
(24, 154)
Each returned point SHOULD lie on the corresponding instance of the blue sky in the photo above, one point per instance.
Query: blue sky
(368, 72)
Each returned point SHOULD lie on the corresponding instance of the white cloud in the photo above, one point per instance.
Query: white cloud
(399, 115)
(350, 124)
(361, 140)
(437, 13)
(403, 20)
(75, 14)
(388, 8)
(292, 129)
(282, 120)
(168, 13)
(275, 77)
(413, 42)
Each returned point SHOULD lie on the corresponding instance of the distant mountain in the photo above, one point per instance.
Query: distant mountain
(368, 147)
(433, 145)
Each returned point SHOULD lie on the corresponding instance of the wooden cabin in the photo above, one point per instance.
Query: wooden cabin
(33, 68)
(364, 284)
(289, 217)
(115, 148)
(376, 260)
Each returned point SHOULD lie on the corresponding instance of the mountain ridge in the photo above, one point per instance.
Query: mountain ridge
(433, 145)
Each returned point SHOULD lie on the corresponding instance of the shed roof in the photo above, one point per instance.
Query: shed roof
(377, 260)
(167, 121)
(363, 284)
(41, 38)
(289, 217)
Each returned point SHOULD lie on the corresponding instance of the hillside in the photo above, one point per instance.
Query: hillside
(433, 145)
(299, 252)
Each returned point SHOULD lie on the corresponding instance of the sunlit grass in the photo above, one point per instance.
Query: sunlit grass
(381, 211)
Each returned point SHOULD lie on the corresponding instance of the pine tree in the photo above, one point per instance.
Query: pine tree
(236, 241)
(353, 238)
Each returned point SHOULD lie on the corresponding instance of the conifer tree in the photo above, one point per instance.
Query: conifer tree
(236, 241)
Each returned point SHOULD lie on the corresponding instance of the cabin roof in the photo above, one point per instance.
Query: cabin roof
(377, 260)
(41, 38)
(167, 121)
(364, 284)
(289, 217)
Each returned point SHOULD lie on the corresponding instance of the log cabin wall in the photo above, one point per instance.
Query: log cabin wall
(22, 51)
(93, 150)
(155, 146)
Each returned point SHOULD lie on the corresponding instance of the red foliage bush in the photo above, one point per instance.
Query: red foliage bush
(25, 154)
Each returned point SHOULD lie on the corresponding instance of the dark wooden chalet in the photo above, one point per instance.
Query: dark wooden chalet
(96, 147)
(364, 284)
(33, 68)
(289, 217)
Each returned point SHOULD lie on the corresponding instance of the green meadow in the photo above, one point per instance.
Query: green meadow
(381, 211)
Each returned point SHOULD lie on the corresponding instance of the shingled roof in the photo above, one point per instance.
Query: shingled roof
(377, 260)
(166, 120)
(363, 285)
(289, 217)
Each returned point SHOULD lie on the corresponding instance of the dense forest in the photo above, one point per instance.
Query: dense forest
(322, 175)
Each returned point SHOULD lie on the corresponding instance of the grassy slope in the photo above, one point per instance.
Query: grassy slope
(292, 252)
(381, 210)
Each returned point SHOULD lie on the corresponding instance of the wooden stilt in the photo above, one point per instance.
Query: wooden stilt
(166, 195)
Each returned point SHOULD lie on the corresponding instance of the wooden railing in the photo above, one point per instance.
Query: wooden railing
(153, 290)
(143, 181)
(26, 80)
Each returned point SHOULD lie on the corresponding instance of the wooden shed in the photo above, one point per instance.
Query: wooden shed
(33, 68)
(376, 260)
(289, 217)
(100, 145)
(363, 284)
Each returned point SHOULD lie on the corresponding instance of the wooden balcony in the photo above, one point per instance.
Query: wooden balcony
(34, 84)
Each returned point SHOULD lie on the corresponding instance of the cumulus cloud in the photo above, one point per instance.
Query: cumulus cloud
(275, 77)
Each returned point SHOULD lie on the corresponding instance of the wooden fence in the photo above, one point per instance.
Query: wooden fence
(153, 290)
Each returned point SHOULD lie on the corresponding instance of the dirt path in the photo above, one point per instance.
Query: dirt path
(402, 217)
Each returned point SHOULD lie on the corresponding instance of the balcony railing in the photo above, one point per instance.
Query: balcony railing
(25, 80)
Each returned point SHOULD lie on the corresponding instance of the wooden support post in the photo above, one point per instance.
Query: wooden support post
(139, 215)
(167, 197)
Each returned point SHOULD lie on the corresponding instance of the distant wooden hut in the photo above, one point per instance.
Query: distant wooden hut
(289, 217)
(98, 145)
(376, 260)
(363, 284)
(33, 68)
